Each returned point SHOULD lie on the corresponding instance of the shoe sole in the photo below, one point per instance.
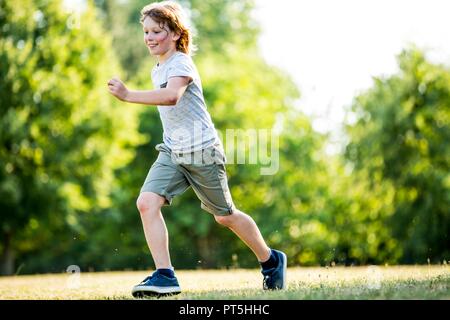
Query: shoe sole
(284, 269)
(152, 291)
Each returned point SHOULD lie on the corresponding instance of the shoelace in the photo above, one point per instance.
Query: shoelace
(149, 277)
(146, 279)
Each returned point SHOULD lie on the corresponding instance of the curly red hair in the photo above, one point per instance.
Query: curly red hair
(170, 13)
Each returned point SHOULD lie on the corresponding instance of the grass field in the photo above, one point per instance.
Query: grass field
(401, 282)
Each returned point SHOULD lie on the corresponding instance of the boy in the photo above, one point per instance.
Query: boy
(189, 135)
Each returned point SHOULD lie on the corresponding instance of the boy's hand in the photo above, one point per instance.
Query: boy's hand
(117, 89)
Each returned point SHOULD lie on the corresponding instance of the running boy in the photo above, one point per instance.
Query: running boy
(189, 135)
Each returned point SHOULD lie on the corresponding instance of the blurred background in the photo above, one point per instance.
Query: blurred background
(358, 91)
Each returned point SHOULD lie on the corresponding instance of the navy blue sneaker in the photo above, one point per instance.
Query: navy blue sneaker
(156, 285)
(275, 278)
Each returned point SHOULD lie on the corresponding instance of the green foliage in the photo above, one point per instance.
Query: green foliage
(223, 26)
(357, 211)
(400, 140)
(61, 133)
(121, 22)
(73, 159)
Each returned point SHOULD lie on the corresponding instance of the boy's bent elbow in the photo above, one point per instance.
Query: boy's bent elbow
(172, 98)
(167, 101)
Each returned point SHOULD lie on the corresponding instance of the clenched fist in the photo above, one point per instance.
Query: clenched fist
(117, 88)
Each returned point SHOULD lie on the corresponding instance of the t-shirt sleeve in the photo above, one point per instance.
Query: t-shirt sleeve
(181, 67)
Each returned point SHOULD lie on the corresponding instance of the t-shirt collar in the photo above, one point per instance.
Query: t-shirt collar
(168, 59)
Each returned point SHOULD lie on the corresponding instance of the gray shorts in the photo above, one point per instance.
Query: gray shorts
(172, 174)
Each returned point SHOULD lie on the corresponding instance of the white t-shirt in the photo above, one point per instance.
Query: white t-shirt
(187, 125)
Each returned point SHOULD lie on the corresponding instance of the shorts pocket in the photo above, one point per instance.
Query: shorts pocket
(214, 155)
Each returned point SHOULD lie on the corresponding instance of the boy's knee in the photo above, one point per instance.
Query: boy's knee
(148, 201)
(226, 221)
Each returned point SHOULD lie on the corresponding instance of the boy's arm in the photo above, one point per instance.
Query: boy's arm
(168, 96)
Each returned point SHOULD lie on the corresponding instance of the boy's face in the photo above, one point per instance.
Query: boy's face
(158, 38)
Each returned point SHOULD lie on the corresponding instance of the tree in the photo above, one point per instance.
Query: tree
(61, 134)
(400, 138)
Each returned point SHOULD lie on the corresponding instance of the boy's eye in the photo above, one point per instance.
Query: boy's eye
(154, 32)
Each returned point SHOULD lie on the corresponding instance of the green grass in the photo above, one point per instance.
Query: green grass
(400, 282)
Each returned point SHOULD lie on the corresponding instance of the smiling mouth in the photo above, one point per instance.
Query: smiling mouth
(152, 45)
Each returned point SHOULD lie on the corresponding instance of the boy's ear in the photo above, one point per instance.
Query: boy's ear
(176, 36)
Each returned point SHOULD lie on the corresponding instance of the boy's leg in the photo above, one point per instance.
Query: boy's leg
(246, 229)
(163, 280)
(211, 186)
(273, 262)
(210, 183)
(149, 205)
(163, 182)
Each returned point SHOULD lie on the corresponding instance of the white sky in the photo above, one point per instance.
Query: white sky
(332, 48)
